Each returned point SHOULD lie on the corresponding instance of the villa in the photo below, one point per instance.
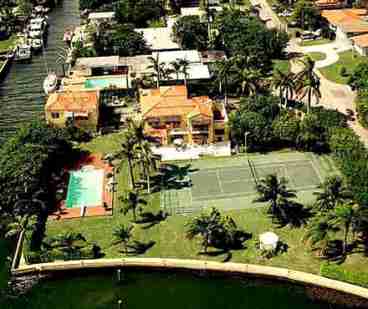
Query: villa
(79, 107)
(171, 115)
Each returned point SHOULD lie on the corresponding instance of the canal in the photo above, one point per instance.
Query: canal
(21, 95)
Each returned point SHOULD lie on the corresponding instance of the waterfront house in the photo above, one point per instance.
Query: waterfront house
(360, 44)
(170, 114)
(78, 107)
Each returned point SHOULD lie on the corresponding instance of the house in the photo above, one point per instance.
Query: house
(330, 4)
(171, 115)
(347, 22)
(79, 107)
(159, 39)
(360, 44)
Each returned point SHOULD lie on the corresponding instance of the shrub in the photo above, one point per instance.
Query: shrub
(362, 109)
(343, 72)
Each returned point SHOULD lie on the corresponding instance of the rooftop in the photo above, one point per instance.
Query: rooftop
(158, 38)
(173, 101)
(169, 56)
(349, 20)
(361, 40)
(101, 15)
(72, 101)
(93, 62)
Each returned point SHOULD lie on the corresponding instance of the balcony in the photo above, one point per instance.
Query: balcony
(178, 131)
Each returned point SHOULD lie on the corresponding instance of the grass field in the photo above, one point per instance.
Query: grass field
(315, 42)
(281, 65)
(317, 56)
(348, 60)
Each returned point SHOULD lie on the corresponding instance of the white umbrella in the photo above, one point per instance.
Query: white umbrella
(268, 241)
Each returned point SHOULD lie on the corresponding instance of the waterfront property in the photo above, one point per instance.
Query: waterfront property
(171, 115)
(79, 107)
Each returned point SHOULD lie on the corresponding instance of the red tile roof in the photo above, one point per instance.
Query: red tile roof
(73, 101)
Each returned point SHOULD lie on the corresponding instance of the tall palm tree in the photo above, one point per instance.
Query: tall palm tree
(333, 192)
(21, 224)
(223, 69)
(122, 235)
(157, 67)
(248, 81)
(132, 201)
(273, 190)
(69, 243)
(136, 126)
(284, 82)
(148, 161)
(320, 232)
(308, 83)
(184, 66)
(344, 215)
(176, 68)
(128, 151)
(205, 225)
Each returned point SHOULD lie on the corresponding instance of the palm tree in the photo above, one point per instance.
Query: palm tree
(176, 68)
(68, 243)
(320, 232)
(223, 68)
(122, 235)
(333, 192)
(148, 160)
(273, 190)
(308, 83)
(21, 224)
(157, 67)
(128, 151)
(284, 82)
(132, 201)
(248, 81)
(205, 226)
(184, 65)
(136, 126)
(344, 215)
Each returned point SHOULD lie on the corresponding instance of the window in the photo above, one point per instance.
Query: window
(55, 115)
(219, 132)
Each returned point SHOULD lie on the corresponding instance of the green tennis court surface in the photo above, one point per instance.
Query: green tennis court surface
(230, 183)
(85, 188)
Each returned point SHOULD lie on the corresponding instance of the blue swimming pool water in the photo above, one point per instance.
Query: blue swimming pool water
(105, 82)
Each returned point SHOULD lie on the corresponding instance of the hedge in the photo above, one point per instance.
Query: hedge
(362, 109)
(335, 272)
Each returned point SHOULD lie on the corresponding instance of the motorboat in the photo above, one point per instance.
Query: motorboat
(39, 22)
(50, 83)
(35, 34)
(23, 52)
(36, 44)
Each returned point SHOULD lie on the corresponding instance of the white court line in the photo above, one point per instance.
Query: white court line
(219, 181)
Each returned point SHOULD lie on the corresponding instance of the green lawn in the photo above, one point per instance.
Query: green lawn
(168, 237)
(315, 42)
(347, 59)
(316, 56)
(281, 65)
(6, 45)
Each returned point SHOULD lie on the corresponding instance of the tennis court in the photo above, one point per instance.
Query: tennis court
(231, 183)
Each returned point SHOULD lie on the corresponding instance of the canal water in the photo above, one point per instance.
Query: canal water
(21, 95)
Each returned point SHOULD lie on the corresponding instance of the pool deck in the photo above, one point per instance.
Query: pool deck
(63, 212)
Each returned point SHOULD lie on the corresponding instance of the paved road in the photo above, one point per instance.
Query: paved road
(334, 96)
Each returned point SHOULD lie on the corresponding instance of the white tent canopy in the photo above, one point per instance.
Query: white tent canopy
(268, 241)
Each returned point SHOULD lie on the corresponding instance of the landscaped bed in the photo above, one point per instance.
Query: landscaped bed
(348, 60)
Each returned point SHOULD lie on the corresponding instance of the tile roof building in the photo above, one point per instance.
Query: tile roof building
(79, 107)
(170, 115)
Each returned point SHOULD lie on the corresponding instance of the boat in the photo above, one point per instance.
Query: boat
(23, 53)
(36, 44)
(50, 83)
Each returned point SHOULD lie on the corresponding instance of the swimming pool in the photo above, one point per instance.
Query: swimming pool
(85, 188)
(105, 82)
